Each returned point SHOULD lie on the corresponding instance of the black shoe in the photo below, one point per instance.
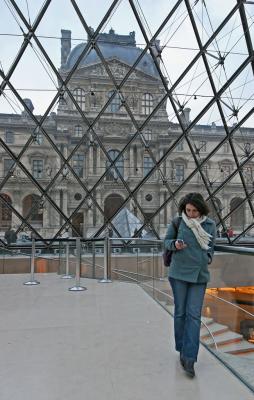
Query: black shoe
(189, 368)
(181, 361)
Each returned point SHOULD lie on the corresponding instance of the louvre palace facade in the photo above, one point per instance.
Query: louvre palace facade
(116, 145)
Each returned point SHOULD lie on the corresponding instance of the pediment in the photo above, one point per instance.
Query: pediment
(118, 69)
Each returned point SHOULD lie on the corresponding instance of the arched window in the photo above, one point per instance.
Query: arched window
(119, 166)
(115, 104)
(179, 170)
(225, 169)
(111, 204)
(78, 222)
(8, 165)
(215, 209)
(148, 164)
(79, 95)
(238, 216)
(78, 131)
(33, 207)
(147, 103)
(225, 148)
(205, 170)
(5, 211)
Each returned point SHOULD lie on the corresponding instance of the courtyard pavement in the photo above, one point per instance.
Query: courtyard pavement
(110, 342)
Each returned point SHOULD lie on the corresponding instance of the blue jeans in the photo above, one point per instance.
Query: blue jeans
(188, 298)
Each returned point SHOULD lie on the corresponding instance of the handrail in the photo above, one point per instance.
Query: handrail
(137, 239)
(91, 265)
(215, 344)
(11, 252)
(217, 247)
(232, 304)
(171, 297)
(234, 249)
(126, 276)
(142, 261)
(164, 293)
(136, 273)
(28, 243)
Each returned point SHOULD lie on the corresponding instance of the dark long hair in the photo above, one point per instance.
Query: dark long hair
(195, 199)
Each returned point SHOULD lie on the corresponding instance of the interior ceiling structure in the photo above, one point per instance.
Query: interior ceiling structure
(212, 73)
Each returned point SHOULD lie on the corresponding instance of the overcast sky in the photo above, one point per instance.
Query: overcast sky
(177, 36)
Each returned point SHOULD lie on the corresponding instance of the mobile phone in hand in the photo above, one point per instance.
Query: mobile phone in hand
(180, 241)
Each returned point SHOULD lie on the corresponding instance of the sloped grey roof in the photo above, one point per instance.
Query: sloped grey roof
(127, 54)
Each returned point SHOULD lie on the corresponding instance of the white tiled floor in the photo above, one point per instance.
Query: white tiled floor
(111, 342)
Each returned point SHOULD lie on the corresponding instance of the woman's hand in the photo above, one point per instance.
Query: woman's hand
(180, 245)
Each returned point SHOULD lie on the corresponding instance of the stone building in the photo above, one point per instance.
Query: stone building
(94, 122)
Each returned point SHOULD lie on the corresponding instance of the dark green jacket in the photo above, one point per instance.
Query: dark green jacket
(191, 263)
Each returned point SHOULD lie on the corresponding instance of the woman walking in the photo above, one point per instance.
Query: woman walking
(193, 245)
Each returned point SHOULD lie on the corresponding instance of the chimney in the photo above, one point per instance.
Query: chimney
(156, 49)
(185, 116)
(91, 33)
(29, 105)
(65, 45)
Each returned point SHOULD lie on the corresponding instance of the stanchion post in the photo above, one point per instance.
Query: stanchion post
(107, 260)
(93, 255)
(32, 280)
(67, 263)
(77, 287)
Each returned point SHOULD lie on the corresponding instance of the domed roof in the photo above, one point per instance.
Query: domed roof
(113, 46)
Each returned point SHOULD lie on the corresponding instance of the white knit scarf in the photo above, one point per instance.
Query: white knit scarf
(201, 235)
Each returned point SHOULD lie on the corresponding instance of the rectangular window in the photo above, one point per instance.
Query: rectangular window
(247, 173)
(9, 137)
(205, 172)
(116, 102)
(225, 170)
(135, 159)
(202, 146)
(225, 147)
(37, 168)
(247, 148)
(148, 165)
(148, 136)
(95, 150)
(39, 138)
(78, 131)
(8, 165)
(78, 164)
(147, 103)
(179, 146)
(164, 164)
(179, 172)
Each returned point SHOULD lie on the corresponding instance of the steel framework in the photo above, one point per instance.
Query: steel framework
(240, 10)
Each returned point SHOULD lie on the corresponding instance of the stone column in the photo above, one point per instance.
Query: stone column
(162, 213)
(89, 218)
(17, 204)
(90, 160)
(131, 162)
(98, 213)
(99, 170)
(140, 163)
